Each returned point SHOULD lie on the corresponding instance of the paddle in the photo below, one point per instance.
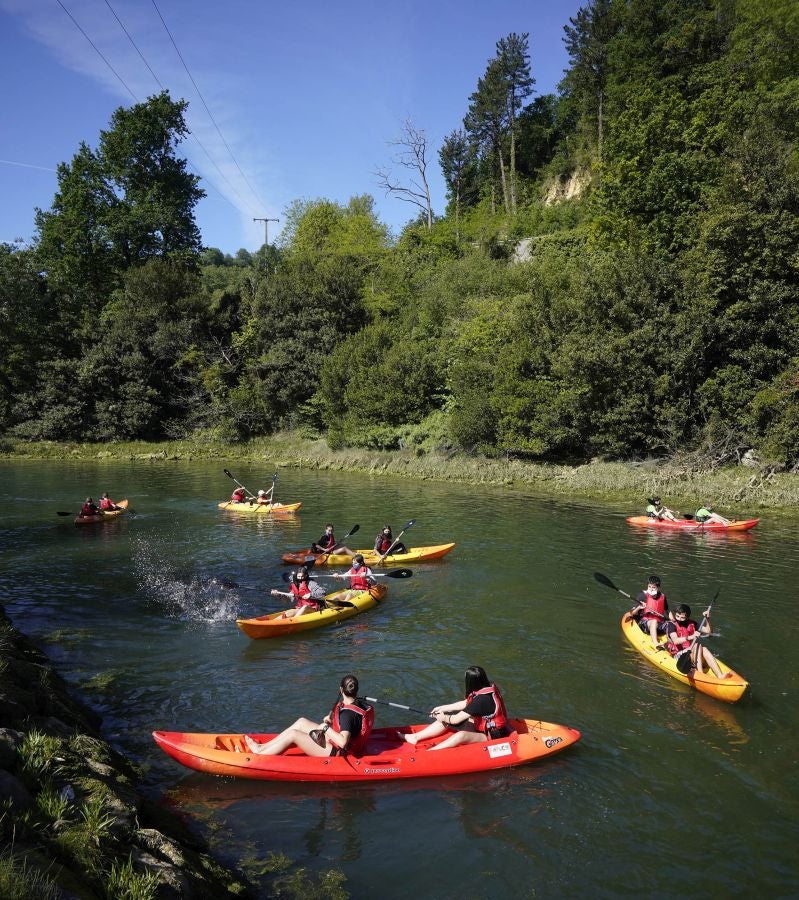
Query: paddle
(396, 539)
(393, 573)
(272, 494)
(397, 705)
(603, 579)
(60, 512)
(230, 475)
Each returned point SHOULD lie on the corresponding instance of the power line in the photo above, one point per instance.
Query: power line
(194, 136)
(121, 80)
(210, 115)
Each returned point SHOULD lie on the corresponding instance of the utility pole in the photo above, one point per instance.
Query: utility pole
(266, 228)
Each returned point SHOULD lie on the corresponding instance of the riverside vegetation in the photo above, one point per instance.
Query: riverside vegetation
(654, 309)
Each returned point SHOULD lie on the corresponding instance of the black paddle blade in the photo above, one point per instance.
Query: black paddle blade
(65, 514)
(409, 524)
(318, 736)
(227, 472)
(398, 573)
(603, 579)
(352, 531)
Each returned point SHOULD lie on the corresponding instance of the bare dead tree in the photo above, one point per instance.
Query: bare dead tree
(411, 155)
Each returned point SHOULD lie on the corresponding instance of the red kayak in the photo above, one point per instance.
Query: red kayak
(103, 515)
(692, 525)
(387, 755)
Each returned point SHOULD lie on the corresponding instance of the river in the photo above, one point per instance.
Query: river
(669, 792)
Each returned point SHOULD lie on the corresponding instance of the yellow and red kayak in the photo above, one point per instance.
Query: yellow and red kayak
(387, 756)
(253, 507)
(274, 625)
(103, 515)
(415, 554)
(692, 525)
(729, 689)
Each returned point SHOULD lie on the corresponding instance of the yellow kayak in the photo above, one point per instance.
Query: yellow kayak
(254, 507)
(415, 554)
(274, 625)
(730, 689)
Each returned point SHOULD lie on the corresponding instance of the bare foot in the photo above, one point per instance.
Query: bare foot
(411, 739)
(252, 745)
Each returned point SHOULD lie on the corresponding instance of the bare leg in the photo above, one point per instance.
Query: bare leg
(287, 738)
(434, 729)
(458, 738)
(653, 632)
(708, 657)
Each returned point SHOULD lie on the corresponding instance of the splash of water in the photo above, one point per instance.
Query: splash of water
(191, 598)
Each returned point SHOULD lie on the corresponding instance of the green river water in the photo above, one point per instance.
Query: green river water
(668, 793)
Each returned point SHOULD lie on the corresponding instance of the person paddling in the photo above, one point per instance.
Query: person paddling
(705, 515)
(308, 595)
(656, 510)
(385, 542)
(265, 497)
(89, 508)
(481, 716)
(327, 543)
(652, 611)
(238, 496)
(360, 575)
(107, 504)
(684, 645)
(344, 731)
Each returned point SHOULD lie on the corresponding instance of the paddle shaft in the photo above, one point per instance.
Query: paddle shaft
(397, 706)
(233, 477)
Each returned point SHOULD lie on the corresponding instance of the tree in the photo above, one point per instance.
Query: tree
(486, 120)
(117, 207)
(514, 58)
(412, 155)
(458, 165)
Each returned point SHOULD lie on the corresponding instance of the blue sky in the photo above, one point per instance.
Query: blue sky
(306, 95)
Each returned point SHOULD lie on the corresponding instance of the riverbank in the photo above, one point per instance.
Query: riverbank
(76, 823)
(738, 490)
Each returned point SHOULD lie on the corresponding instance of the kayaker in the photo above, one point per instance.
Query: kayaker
(89, 508)
(652, 611)
(308, 595)
(265, 497)
(345, 730)
(107, 504)
(656, 510)
(481, 716)
(360, 575)
(705, 514)
(239, 495)
(385, 542)
(684, 645)
(327, 542)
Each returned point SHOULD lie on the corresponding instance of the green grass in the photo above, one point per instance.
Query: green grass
(125, 883)
(19, 881)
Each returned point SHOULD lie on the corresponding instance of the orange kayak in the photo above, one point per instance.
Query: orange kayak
(415, 554)
(103, 516)
(259, 507)
(691, 525)
(729, 689)
(274, 625)
(386, 756)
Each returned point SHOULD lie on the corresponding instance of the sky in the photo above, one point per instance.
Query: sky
(287, 101)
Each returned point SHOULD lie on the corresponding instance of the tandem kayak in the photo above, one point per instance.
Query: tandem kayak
(729, 689)
(254, 507)
(692, 525)
(416, 554)
(274, 625)
(386, 755)
(103, 516)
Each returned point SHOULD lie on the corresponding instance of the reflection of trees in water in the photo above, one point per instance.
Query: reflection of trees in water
(345, 815)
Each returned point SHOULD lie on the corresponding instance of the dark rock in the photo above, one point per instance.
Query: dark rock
(9, 744)
(13, 789)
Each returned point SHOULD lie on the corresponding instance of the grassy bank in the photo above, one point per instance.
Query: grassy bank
(738, 489)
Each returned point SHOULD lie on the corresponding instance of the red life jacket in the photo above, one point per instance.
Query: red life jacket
(359, 578)
(383, 543)
(88, 509)
(682, 629)
(367, 721)
(106, 503)
(655, 607)
(302, 595)
(498, 719)
(238, 495)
